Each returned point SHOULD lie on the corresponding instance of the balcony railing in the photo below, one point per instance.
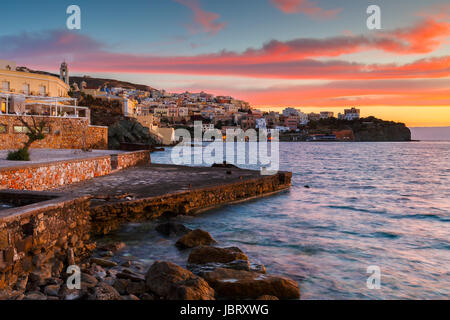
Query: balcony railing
(19, 104)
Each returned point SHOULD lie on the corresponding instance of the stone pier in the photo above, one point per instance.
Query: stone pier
(47, 231)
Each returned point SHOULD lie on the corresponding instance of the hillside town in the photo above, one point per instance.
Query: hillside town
(28, 92)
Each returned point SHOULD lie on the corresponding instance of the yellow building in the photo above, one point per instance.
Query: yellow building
(30, 84)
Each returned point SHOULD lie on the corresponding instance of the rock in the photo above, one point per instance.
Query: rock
(11, 295)
(239, 284)
(35, 295)
(104, 291)
(70, 257)
(172, 228)
(103, 262)
(130, 297)
(21, 283)
(71, 294)
(108, 253)
(121, 285)
(52, 290)
(207, 254)
(147, 296)
(175, 283)
(194, 239)
(136, 288)
(38, 278)
(126, 264)
(130, 275)
(267, 297)
(113, 247)
(88, 281)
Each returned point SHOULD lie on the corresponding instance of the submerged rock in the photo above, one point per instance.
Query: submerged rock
(207, 254)
(172, 228)
(172, 282)
(194, 239)
(240, 284)
(104, 262)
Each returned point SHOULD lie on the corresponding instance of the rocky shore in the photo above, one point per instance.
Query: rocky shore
(213, 272)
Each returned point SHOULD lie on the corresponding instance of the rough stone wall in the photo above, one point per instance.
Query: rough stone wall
(65, 133)
(132, 159)
(41, 240)
(106, 218)
(46, 176)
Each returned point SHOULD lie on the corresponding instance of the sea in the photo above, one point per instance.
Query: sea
(360, 221)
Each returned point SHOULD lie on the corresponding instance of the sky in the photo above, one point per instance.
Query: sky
(315, 55)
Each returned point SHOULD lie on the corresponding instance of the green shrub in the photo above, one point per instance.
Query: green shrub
(19, 155)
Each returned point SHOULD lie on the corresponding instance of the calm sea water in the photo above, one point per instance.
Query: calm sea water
(369, 204)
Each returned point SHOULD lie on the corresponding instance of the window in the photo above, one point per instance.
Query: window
(5, 86)
(21, 129)
(42, 90)
(3, 128)
(26, 88)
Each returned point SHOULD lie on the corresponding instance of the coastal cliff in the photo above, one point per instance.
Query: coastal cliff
(390, 131)
(364, 129)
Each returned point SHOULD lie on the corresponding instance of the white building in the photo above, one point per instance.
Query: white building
(261, 123)
(287, 112)
(350, 114)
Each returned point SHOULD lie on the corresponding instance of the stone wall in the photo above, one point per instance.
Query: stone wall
(64, 133)
(131, 159)
(106, 218)
(39, 239)
(46, 176)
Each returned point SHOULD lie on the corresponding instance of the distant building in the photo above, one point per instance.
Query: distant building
(287, 112)
(314, 116)
(350, 114)
(291, 122)
(261, 123)
(326, 114)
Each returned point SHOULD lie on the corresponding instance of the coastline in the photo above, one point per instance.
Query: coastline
(60, 232)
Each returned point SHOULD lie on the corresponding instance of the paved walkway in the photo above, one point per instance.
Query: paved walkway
(155, 180)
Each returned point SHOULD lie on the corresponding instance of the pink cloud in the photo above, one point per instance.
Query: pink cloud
(206, 20)
(294, 59)
(304, 6)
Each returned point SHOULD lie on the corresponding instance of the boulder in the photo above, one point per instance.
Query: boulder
(173, 282)
(52, 290)
(240, 284)
(88, 281)
(207, 254)
(194, 239)
(104, 291)
(103, 262)
(35, 296)
(121, 285)
(113, 247)
(172, 228)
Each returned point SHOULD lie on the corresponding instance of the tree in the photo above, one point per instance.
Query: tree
(35, 132)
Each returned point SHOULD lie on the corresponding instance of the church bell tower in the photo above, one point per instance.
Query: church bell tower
(64, 72)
